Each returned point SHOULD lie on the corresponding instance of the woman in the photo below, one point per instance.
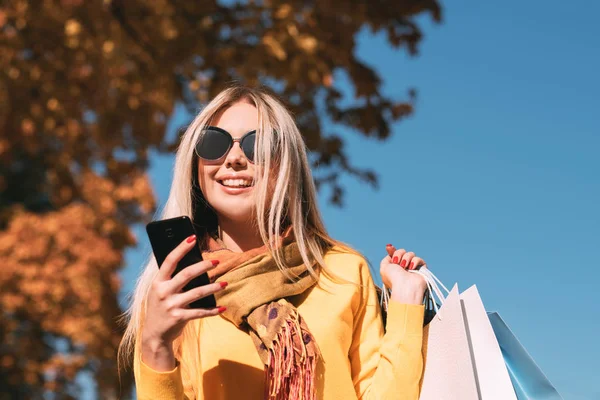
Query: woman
(297, 314)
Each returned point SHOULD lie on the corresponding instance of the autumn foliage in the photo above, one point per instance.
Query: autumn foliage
(86, 90)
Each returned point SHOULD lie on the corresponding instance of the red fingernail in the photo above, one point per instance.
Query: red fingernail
(388, 245)
(403, 263)
(191, 239)
(412, 265)
(395, 260)
(214, 262)
(223, 284)
(222, 309)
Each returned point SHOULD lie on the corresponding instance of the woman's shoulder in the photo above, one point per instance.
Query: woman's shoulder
(344, 253)
(347, 263)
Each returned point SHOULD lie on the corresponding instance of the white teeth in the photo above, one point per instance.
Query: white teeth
(236, 182)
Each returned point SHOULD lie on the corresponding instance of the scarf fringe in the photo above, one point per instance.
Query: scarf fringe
(286, 376)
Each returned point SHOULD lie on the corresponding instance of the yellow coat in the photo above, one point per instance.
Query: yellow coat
(358, 360)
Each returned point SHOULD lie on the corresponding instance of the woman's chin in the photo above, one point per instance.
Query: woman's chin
(236, 211)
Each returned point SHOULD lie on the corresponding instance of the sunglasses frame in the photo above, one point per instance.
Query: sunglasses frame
(232, 142)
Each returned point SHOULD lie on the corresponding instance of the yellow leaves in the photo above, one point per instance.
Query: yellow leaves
(72, 27)
(108, 47)
(27, 127)
(105, 197)
(12, 302)
(274, 47)
(292, 30)
(283, 11)
(59, 270)
(307, 43)
(171, 33)
(52, 104)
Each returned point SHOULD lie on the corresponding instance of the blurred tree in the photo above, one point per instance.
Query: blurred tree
(86, 89)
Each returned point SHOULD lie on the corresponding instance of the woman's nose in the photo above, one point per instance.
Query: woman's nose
(236, 157)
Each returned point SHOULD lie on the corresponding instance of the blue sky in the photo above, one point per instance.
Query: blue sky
(494, 179)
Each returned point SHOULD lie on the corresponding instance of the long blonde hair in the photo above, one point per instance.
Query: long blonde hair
(292, 202)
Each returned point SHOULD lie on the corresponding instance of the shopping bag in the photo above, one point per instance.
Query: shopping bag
(528, 380)
(491, 374)
(448, 371)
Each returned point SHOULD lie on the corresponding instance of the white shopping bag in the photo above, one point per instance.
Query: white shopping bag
(462, 358)
(448, 368)
(491, 373)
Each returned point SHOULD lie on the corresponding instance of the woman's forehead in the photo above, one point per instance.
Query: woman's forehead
(239, 118)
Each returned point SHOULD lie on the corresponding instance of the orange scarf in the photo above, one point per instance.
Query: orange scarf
(256, 297)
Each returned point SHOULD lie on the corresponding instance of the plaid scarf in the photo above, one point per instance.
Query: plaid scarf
(256, 298)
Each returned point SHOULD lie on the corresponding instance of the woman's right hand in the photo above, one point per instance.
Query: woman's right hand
(167, 309)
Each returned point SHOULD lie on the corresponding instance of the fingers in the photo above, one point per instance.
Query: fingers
(184, 276)
(390, 250)
(406, 260)
(195, 313)
(185, 298)
(416, 263)
(397, 256)
(168, 266)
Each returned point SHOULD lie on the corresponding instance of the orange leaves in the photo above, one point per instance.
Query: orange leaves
(274, 47)
(72, 27)
(58, 270)
(106, 196)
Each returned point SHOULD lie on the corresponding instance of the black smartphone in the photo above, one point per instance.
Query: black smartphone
(167, 234)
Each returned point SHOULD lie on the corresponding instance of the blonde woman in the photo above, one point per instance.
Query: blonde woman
(297, 315)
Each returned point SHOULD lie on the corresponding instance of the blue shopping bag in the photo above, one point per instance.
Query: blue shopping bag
(529, 381)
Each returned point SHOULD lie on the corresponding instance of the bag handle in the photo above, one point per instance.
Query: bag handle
(433, 286)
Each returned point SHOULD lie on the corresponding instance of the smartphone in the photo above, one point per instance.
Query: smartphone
(167, 234)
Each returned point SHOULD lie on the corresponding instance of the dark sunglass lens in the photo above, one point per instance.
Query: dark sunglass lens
(248, 145)
(213, 144)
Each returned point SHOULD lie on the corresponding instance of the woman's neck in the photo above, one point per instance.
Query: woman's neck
(239, 237)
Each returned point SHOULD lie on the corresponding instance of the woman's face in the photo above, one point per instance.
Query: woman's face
(228, 183)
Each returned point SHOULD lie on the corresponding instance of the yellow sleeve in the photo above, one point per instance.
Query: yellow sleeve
(155, 385)
(386, 366)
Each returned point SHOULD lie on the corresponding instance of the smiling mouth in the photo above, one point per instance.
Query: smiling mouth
(236, 183)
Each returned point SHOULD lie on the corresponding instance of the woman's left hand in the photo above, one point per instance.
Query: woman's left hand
(406, 287)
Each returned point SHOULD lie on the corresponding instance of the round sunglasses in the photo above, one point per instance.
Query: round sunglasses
(215, 143)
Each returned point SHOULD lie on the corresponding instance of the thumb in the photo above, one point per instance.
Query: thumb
(390, 250)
